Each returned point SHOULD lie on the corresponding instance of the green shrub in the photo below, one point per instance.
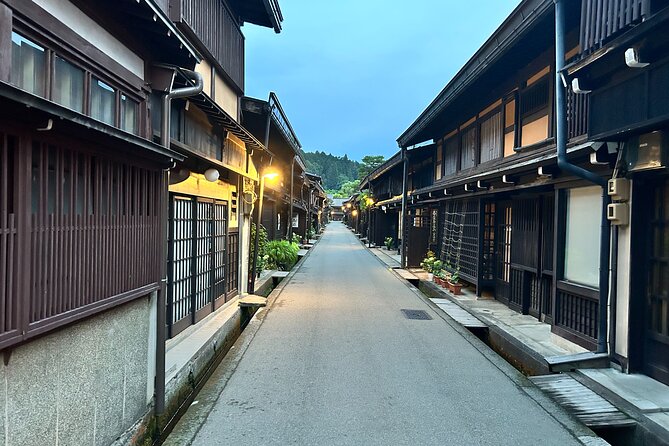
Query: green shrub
(297, 238)
(281, 254)
(388, 242)
(261, 259)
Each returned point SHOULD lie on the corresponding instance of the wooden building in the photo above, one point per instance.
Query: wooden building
(623, 71)
(212, 192)
(82, 187)
(294, 201)
(517, 197)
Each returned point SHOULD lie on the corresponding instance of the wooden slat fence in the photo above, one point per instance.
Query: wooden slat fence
(91, 238)
(214, 25)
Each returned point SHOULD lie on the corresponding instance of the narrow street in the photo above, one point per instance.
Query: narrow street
(336, 362)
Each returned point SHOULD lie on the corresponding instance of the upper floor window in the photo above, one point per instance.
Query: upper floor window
(129, 115)
(491, 137)
(103, 102)
(28, 65)
(534, 114)
(468, 146)
(42, 71)
(68, 85)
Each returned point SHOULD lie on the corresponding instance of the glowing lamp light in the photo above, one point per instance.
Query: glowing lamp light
(348, 205)
(355, 212)
(370, 201)
(212, 175)
(270, 174)
(343, 208)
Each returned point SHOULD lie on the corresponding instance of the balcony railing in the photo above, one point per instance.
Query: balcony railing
(603, 19)
(213, 24)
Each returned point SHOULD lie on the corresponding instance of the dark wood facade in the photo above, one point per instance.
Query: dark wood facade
(81, 182)
(493, 197)
(628, 105)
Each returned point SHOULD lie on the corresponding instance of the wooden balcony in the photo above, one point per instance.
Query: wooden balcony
(603, 19)
(216, 32)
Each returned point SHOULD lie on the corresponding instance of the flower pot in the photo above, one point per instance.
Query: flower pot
(456, 288)
(437, 280)
(430, 277)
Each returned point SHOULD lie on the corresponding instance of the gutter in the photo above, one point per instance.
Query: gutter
(162, 293)
(566, 166)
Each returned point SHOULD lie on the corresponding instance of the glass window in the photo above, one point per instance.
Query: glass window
(581, 257)
(28, 65)
(468, 148)
(491, 138)
(451, 156)
(68, 85)
(129, 114)
(103, 102)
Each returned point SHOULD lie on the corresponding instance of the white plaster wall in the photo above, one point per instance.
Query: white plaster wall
(623, 282)
(226, 97)
(84, 384)
(80, 23)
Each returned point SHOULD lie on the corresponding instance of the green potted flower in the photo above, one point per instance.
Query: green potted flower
(427, 264)
(388, 241)
(437, 269)
(454, 284)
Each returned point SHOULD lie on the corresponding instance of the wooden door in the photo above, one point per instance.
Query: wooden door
(503, 252)
(419, 237)
(656, 323)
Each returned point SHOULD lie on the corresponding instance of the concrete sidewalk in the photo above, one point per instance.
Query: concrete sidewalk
(641, 397)
(337, 361)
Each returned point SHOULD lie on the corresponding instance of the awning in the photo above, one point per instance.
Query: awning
(217, 114)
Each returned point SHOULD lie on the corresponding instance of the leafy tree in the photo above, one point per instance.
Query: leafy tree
(369, 163)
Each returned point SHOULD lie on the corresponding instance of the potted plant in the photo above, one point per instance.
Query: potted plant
(388, 241)
(437, 268)
(454, 283)
(427, 263)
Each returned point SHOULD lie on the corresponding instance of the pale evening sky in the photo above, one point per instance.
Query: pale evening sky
(352, 75)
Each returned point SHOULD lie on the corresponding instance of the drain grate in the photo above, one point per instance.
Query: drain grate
(416, 314)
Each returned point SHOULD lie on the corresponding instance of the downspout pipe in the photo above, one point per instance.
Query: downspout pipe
(577, 171)
(403, 218)
(162, 294)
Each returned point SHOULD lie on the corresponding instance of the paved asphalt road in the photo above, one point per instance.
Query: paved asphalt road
(335, 362)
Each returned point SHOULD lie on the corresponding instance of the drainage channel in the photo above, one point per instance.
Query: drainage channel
(607, 421)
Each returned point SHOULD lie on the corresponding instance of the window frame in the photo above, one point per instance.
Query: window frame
(91, 69)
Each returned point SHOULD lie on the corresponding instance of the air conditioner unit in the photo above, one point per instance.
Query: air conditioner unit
(647, 151)
(618, 214)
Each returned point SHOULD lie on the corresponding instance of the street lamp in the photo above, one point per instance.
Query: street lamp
(269, 174)
(370, 203)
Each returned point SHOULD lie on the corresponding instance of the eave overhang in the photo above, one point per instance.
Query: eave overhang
(265, 13)
(545, 156)
(181, 43)
(25, 105)
(218, 115)
(512, 29)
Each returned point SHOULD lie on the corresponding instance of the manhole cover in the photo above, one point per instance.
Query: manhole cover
(416, 314)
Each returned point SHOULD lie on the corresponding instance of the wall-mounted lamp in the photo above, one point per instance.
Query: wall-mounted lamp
(354, 213)
(576, 87)
(212, 175)
(633, 60)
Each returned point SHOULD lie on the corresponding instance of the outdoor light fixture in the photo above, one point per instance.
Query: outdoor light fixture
(354, 213)
(370, 201)
(343, 208)
(576, 87)
(348, 205)
(270, 174)
(212, 174)
(632, 59)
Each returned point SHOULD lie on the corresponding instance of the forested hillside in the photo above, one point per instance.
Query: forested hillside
(335, 170)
